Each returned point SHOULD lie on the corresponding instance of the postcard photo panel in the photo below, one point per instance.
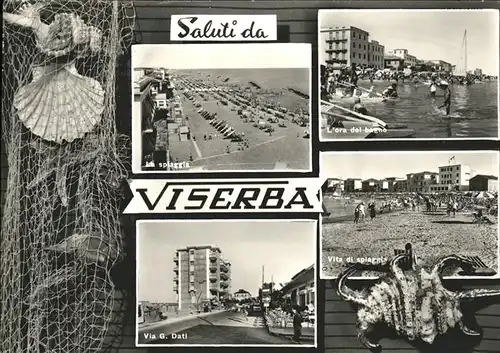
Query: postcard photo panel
(396, 74)
(226, 283)
(221, 107)
(426, 205)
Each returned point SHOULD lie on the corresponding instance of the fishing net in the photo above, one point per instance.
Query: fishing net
(61, 231)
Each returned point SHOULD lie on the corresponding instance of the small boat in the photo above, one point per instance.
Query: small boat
(353, 125)
(363, 97)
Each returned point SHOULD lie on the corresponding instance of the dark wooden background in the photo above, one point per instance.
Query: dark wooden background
(297, 22)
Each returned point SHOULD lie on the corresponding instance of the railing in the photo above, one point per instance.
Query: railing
(336, 50)
(336, 40)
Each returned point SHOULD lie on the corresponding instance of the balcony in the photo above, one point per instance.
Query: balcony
(176, 268)
(213, 255)
(342, 50)
(213, 266)
(176, 258)
(176, 288)
(176, 278)
(224, 276)
(224, 284)
(337, 40)
(223, 267)
(213, 277)
(336, 61)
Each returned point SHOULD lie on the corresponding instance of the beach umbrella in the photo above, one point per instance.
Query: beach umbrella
(484, 195)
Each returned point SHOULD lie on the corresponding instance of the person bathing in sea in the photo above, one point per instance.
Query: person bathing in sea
(372, 93)
(447, 97)
(391, 91)
(359, 107)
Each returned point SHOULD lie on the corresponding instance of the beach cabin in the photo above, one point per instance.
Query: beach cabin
(184, 133)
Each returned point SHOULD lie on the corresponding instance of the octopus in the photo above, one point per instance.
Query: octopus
(413, 302)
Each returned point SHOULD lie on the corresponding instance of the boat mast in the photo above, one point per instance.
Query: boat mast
(465, 48)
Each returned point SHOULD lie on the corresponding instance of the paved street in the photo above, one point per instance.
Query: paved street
(234, 329)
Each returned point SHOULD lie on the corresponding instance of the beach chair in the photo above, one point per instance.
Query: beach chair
(479, 218)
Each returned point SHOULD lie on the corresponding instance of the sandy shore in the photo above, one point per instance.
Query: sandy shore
(431, 235)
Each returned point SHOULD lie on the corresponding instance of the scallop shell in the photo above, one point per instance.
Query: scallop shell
(60, 104)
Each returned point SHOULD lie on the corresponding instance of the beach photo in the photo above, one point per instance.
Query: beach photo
(408, 74)
(226, 283)
(221, 107)
(430, 204)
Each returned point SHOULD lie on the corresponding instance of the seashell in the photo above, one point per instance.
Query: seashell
(414, 303)
(95, 39)
(60, 104)
(59, 39)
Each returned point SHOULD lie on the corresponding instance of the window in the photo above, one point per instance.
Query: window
(359, 45)
(364, 56)
(353, 35)
(364, 47)
(353, 45)
(360, 36)
(359, 55)
(353, 55)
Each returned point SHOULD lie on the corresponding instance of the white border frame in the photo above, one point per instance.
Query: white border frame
(457, 152)
(136, 125)
(314, 224)
(326, 11)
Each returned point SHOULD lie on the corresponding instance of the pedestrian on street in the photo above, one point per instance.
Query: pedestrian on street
(297, 325)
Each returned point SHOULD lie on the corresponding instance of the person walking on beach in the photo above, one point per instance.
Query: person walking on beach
(454, 207)
(356, 215)
(361, 208)
(297, 325)
(371, 206)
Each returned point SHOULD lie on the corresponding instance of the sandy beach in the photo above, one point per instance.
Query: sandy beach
(285, 148)
(431, 235)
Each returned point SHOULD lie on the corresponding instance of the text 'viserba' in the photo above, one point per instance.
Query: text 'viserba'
(216, 196)
(223, 28)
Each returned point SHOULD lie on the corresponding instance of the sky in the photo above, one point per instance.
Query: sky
(222, 56)
(429, 35)
(389, 164)
(283, 248)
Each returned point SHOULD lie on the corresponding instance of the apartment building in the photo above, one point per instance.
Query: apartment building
(440, 65)
(201, 274)
(376, 55)
(241, 295)
(345, 45)
(394, 184)
(143, 110)
(455, 177)
(394, 62)
(421, 182)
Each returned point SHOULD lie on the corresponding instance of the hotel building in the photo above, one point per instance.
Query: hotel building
(201, 274)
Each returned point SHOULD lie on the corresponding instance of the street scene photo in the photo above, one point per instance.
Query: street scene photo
(398, 74)
(226, 283)
(430, 204)
(222, 107)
